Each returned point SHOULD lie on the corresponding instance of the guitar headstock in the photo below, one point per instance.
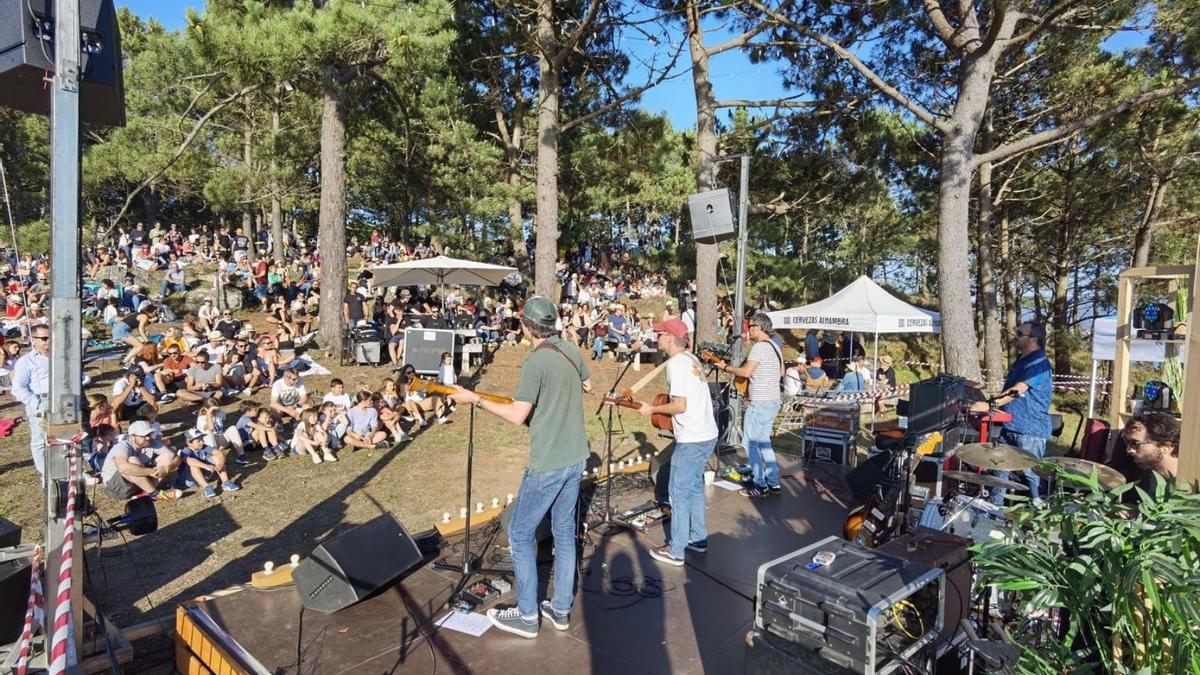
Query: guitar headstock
(709, 356)
(928, 444)
(271, 576)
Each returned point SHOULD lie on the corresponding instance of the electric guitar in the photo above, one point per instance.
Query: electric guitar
(661, 421)
(741, 384)
(874, 522)
(435, 388)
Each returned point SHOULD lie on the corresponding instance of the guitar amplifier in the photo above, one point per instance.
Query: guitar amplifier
(867, 611)
(939, 403)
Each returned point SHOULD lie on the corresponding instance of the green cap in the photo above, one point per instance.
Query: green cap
(540, 311)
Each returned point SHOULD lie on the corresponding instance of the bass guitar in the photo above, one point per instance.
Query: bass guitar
(740, 384)
(660, 421)
(435, 388)
(874, 522)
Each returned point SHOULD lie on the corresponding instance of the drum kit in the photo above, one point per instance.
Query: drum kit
(975, 517)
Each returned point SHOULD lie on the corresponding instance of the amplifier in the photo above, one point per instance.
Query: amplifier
(867, 611)
(829, 445)
(938, 403)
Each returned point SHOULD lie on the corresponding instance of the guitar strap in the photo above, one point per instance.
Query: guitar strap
(546, 345)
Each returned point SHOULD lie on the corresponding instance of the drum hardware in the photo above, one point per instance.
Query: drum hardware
(983, 480)
(996, 456)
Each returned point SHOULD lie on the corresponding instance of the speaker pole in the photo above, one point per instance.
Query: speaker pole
(734, 436)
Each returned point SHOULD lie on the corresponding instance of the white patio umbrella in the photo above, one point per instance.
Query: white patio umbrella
(440, 271)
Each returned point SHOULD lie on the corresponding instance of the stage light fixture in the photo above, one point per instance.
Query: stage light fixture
(1154, 321)
(1158, 395)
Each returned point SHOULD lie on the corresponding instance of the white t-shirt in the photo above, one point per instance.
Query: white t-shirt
(287, 395)
(342, 401)
(134, 398)
(685, 379)
(793, 381)
(446, 375)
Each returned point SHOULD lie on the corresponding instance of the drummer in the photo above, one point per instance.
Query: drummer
(1028, 388)
(1152, 441)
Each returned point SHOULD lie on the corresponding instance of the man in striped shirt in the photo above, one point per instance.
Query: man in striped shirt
(763, 367)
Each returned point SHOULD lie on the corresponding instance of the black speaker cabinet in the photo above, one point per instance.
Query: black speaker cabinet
(14, 597)
(714, 216)
(352, 566)
(27, 56)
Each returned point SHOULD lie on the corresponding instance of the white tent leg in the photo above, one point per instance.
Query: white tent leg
(1092, 391)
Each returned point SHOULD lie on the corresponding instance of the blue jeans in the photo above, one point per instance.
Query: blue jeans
(597, 347)
(759, 423)
(1035, 445)
(167, 288)
(37, 436)
(555, 491)
(687, 494)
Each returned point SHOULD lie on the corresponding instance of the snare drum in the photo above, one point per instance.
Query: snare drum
(976, 519)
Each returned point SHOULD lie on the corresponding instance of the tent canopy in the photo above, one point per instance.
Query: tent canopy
(438, 271)
(1104, 344)
(861, 307)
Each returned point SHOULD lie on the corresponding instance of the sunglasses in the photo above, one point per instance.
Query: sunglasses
(1136, 444)
(40, 337)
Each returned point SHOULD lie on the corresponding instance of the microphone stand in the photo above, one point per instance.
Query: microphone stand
(470, 564)
(608, 450)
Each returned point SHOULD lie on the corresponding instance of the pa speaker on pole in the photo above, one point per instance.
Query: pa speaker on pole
(27, 59)
(713, 216)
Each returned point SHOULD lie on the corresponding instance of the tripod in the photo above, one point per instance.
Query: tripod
(470, 563)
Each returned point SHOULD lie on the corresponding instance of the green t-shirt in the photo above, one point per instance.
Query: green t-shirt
(553, 386)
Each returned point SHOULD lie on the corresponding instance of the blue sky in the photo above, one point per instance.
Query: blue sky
(732, 74)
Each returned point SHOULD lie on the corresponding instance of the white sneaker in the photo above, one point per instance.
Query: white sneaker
(316, 459)
(329, 457)
(441, 420)
(247, 391)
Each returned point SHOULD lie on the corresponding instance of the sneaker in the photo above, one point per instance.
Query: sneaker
(511, 621)
(329, 457)
(442, 420)
(166, 398)
(663, 555)
(316, 459)
(382, 444)
(209, 492)
(559, 621)
(170, 494)
(241, 460)
(776, 489)
(230, 486)
(698, 546)
(269, 454)
(188, 484)
(281, 450)
(89, 479)
(248, 391)
(755, 491)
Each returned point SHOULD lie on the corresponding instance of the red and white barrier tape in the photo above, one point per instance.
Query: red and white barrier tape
(61, 638)
(33, 613)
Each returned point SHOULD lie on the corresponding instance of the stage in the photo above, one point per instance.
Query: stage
(693, 620)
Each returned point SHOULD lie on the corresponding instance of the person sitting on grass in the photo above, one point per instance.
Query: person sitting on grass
(311, 438)
(241, 369)
(97, 445)
(171, 377)
(207, 315)
(137, 465)
(289, 397)
(239, 435)
(204, 380)
(364, 431)
(129, 392)
(418, 402)
(335, 423)
(389, 415)
(202, 461)
(265, 433)
(337, 395)
(210, 421)
(131, 330)
(101, 412)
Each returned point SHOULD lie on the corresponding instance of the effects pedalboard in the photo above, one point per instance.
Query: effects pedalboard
(481, 593)
(642, 517)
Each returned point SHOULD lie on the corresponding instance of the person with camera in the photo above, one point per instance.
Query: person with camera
(137, 465)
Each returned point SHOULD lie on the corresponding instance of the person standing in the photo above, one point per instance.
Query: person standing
(695, 430)
(31, 386)
(1028, 388)
(763, 367)
(549, 394)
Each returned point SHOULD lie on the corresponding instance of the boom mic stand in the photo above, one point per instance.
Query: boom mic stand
(608, 445)
(470, 564)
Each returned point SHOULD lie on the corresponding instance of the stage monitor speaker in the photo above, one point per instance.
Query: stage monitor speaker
(27, 57)
(714, 216)
(10, 533)
(354, 565)
(14, 594)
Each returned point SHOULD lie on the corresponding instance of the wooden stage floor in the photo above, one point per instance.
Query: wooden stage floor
(696, 625)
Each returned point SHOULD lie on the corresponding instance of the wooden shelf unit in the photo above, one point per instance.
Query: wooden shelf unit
(1127, 283)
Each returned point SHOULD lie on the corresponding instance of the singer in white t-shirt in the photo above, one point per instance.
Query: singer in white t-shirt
(695, 430)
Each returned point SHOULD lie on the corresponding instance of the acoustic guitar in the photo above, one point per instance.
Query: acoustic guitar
(435, 388)
(660, 421)
(740, 384)
(873, 522)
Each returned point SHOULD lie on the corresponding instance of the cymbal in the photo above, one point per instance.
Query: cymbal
(998, 457)
(1108, 477)
(983, 479)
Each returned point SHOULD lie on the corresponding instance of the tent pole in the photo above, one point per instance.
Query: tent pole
(1092, 390)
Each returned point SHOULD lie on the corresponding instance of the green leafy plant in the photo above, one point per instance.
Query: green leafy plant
(1126, 574)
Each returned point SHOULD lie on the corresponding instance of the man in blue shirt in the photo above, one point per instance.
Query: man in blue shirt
(1028, 388)
(31, 384)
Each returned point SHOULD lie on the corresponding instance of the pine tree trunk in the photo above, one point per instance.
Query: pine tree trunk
(1144, 235)
(512, 156)
(707, 255)
(549, 90)
(954, 278)
(993, 351)
(1008, 281)
(276, 186)
(331, 226)
(247, 192)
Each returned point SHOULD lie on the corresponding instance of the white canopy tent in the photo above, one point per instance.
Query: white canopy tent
(439, 271)
(861, 307)
(1104, 348)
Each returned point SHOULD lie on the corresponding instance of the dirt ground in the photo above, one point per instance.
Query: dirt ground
(288, 506)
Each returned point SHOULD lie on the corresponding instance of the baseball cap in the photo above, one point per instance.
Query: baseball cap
(140, 428)
(672, 327)
(540, 311)
(193, 434)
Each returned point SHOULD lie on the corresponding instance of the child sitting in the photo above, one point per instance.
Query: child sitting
(311, 438)
(203, 460)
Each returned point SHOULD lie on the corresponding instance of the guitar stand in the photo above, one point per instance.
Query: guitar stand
(608, 448)
(470, 563)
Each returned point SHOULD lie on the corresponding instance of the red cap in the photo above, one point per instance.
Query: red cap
(672, 327)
